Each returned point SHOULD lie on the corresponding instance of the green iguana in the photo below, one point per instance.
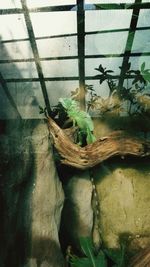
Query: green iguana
(80, 118)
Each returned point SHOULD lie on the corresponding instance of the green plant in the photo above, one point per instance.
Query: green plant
(132, 98)
(92, 259)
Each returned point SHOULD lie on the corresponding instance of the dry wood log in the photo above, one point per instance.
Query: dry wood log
(118, 143)
(142, 259)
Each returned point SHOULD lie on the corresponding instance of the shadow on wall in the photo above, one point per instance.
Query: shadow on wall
(15, 171)
(23, 143)
(46, 251)
(23, 95)
(16, 184)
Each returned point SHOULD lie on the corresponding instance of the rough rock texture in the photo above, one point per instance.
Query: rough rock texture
(78, 214)
(123, 190)
(124, 197)
(31, 197)
(47, 202)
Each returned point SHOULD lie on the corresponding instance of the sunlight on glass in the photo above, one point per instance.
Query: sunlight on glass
(110, 43)
(41, 3)
(16, 50)
(66, 46)
(10, 4)
(107, 19)
(12, 27)
(107, 1)
(54, 23)
(62, 68)
(60, 89)
(19, 70)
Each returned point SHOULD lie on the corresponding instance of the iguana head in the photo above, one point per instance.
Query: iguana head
(68, 104)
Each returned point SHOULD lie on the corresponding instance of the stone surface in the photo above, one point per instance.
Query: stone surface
(123, 188)
(123, 191)
(31, 197)
(47, 203)
(78, 214)
(124, 196)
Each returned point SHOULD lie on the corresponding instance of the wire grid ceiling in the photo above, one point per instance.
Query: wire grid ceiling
(49, 48)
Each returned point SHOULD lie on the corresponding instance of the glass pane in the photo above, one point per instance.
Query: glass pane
(54, 23)
(41, 3)
(65, 46)
(107, 1)
(27, 96)
(107, 20)
(136, 62)
(16, 50)
(144, 18)
(108, 63)
(60, 89)
(110, 43)
(18, 70)
(141, 41)
(13, 27)
(6, 110)
(10, 4)
(62, 68)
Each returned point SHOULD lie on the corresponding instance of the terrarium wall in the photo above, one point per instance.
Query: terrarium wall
(37, 200)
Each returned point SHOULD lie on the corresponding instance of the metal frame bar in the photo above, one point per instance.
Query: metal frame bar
(36, 54)
(81, 50)
(109, 6)
(73, 34)
(129, 44)
(136, 54)
(81, 44)
(57, 79)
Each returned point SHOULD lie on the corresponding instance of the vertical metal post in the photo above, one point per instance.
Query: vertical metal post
(36, 54)
(81, 49)
(129, 44)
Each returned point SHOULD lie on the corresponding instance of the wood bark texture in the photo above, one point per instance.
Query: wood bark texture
(118, 143)
(142, 259)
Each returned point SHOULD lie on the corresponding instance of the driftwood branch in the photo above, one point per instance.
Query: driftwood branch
(141, 259)
(116, 144)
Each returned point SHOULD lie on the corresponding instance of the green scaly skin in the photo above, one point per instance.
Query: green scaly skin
(80, 119)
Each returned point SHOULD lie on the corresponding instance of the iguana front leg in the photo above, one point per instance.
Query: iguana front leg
(74, 122)
(90, 138)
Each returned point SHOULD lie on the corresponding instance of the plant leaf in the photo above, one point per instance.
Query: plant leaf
(109, 71)
(117, 256)
(101, 260)
(142, 66)
(86, 246)
(80, 262)
(98, 76)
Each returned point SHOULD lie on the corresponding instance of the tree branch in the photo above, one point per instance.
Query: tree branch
(118, 143)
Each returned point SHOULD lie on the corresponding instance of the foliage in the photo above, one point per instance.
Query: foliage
(118, 257)
(92, 259)
(42, 110)
(89, 259)
(80, 118)
(132, 99)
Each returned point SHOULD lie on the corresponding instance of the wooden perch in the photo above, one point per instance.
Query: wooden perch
(141, 259)
(116, 144)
